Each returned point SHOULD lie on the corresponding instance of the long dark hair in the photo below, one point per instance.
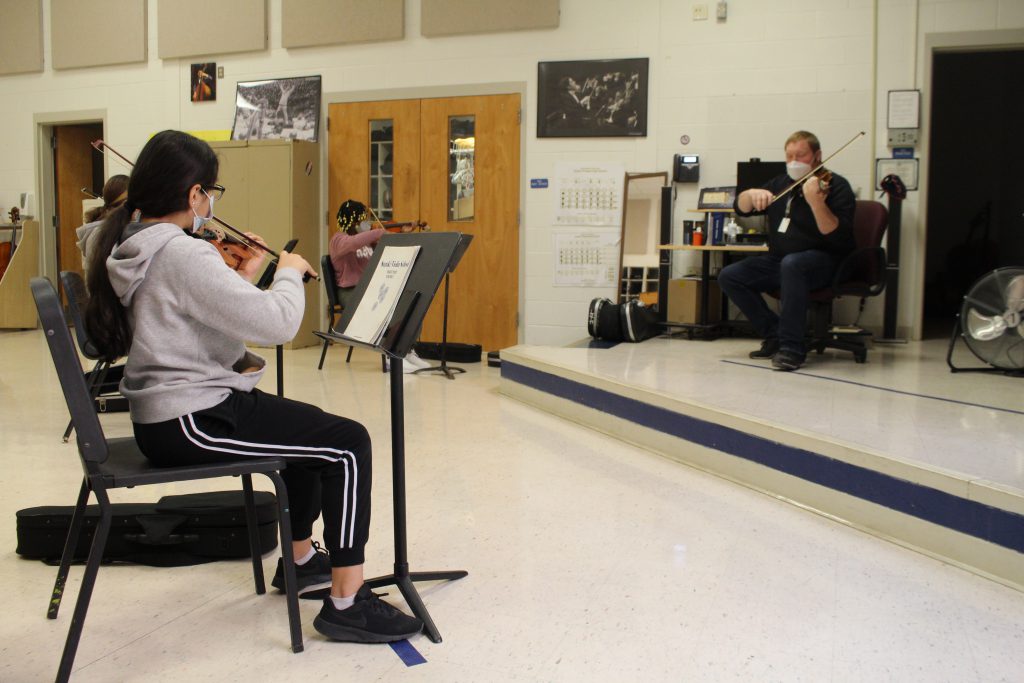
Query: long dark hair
(115, 186)
(168, 166)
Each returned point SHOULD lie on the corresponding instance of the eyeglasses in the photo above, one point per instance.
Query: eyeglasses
(215, 191)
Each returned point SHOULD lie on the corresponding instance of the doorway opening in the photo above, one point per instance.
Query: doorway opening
(77, 174)
(976, 169)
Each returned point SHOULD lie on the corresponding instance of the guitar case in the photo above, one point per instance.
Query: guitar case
(173, 532)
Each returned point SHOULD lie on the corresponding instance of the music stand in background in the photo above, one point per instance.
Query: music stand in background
(264, 282)
(443, 368)
(437, 250)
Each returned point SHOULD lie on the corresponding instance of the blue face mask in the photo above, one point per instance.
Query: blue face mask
(199, 221)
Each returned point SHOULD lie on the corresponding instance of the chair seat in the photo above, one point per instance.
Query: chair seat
(127, 466)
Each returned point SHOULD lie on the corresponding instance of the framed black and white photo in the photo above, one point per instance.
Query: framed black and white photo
(593, 98)
(283, 108)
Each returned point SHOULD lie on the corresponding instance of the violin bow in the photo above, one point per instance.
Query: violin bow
(101, 146)
(815, 169)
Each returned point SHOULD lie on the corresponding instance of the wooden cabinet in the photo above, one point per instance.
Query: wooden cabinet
(272, 189)
(17, 308)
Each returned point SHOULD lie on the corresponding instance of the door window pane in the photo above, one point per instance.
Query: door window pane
(461, 148)
(382, 162)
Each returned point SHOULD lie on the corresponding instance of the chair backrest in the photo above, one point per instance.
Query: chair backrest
(92, 445)
(78, 298)
(863, 272)
(870, 219)
(330, 282)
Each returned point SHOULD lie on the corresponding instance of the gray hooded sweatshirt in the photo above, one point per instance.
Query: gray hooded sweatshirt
(190, 315)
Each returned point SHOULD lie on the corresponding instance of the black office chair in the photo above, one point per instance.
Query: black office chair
(860, 274)
(104, 377)
(334, 310)
(118, 463)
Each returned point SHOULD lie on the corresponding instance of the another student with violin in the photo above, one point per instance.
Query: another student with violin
(810, 231)
(351, 248)
(115, 191)
(181, 314)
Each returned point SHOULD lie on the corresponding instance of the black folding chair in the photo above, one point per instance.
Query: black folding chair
(98, 380)
(334, 311)
(118, 463)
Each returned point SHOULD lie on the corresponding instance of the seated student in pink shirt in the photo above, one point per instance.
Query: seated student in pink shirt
(351, 249)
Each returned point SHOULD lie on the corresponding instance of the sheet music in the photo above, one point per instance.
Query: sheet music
(381, 296)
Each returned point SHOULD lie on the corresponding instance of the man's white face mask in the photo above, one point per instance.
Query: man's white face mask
(797, 169)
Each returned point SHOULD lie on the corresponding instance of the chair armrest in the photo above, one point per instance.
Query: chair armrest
(861, 273)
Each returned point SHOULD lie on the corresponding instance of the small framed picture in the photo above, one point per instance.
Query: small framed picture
(594, 98)
(717, 197)
(204, 82)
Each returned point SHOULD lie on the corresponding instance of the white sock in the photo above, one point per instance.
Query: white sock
(343, 603)
(307, 557)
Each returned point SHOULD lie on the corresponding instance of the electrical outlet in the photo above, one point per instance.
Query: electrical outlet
(903, 137)
(700, 12)
(220, 72)
(721, 10)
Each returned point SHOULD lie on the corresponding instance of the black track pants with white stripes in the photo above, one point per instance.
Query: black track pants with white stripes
(329, 465)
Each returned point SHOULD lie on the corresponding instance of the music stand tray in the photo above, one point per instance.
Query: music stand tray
(433, 261)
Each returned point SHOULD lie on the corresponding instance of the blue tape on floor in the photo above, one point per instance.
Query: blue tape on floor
(407, 653)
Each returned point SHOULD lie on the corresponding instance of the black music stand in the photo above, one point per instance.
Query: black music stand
(264, 282)
(443, 368)
(436, 253)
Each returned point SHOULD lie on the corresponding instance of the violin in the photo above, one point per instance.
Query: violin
(416, 226)
(398, 227)
(235, 253)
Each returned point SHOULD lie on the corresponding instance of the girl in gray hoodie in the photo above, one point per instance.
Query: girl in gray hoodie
(170, 303)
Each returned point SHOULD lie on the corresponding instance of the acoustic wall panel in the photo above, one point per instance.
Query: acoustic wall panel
(97, 33)
(333, 22)
(188, 28)
(21, 36)
(457, 17)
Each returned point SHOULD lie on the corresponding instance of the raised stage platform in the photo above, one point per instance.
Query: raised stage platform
(899, 447)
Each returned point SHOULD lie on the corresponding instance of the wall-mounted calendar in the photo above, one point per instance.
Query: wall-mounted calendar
(589, 193)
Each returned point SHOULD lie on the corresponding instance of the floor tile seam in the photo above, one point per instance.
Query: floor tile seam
(980, 520)
(804, 373)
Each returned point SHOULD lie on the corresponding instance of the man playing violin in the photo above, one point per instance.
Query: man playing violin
(810, 231)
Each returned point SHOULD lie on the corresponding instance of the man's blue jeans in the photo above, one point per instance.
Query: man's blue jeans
(794, 276)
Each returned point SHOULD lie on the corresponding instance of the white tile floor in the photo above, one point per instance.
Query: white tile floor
(589, 559)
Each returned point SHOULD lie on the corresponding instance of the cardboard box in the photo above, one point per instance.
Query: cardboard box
(684, 301)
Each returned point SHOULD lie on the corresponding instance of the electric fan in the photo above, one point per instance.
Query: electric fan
(991, 322)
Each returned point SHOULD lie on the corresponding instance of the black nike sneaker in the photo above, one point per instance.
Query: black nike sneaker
(368, 620)
(316, 573)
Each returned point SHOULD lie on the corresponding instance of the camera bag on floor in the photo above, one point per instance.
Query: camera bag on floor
(631, 321)
(174, 532)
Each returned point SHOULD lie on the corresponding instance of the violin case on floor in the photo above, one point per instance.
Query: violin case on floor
(173, 532)
(454, 352)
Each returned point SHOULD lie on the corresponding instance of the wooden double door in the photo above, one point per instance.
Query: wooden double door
(454, 164)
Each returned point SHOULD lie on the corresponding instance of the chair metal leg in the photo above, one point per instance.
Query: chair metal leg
(348, 356)
(92, 567)
(254, 534)
(323, 354)
(70, 546)
(291, 587)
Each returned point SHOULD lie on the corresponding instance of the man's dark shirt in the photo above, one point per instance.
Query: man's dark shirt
(803, 233)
